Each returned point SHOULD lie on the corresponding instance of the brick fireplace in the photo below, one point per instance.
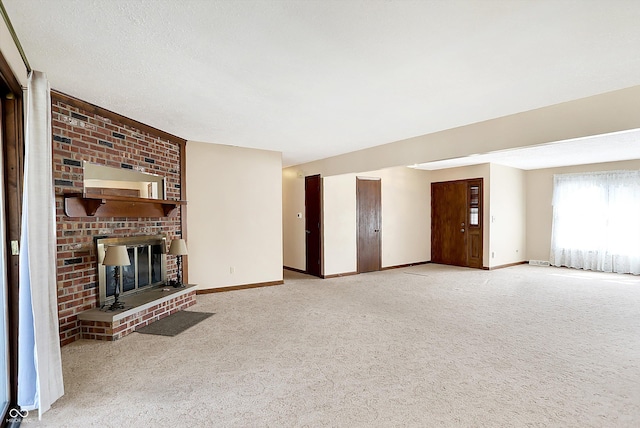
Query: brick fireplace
(84, 132)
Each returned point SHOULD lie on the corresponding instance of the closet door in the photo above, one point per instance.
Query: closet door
(313, 222)
(369, 207)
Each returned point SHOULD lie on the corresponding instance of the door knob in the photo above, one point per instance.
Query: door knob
(307, 231)
(462, 230)
(376, 230)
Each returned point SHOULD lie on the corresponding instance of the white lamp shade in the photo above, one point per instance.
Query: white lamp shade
(178, 247)
(116, 255)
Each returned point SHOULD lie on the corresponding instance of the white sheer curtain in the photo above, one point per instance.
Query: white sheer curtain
(39, 362)
(596, 221)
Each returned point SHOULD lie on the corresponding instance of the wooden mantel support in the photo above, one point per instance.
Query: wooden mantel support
(86, 205)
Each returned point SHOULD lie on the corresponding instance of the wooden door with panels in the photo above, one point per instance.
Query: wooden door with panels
(369, 207)
(456, 223)
(313, 218)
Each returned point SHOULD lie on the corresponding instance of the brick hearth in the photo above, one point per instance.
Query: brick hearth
(83, 132)
(141, 310)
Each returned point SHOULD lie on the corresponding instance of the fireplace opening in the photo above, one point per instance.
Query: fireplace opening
(148, 268)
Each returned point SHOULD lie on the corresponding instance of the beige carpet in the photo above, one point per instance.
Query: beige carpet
(425, 346)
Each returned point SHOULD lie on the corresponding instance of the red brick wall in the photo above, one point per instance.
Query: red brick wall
(81, 135)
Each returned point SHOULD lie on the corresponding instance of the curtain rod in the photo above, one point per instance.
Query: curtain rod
(14, 36)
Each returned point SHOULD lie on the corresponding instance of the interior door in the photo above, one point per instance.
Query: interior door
(369, 196)
(313, 238)
(448, 223)
(456, 223)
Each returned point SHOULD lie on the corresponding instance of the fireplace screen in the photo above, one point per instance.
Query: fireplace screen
(148, 260)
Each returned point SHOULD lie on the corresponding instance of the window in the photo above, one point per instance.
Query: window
(596, 221)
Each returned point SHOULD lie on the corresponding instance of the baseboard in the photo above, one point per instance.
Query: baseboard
(337, 275)
(294, 269)
(239, 287)
(505, 266)
(405, 265)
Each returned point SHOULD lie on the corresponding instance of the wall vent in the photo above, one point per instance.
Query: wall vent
(539, 263)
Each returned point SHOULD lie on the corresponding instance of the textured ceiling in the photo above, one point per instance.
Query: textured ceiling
(314, 79)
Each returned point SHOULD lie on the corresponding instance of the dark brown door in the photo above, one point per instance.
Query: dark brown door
(369, 220)
(448, 221)
(313, 241)
(456, 223)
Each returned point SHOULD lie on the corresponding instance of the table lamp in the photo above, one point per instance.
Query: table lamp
(116, 256)
(178, 248)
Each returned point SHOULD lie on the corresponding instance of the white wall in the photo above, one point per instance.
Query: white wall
(507, 216)
(234, 215)
(339, 224)
(539, 194)
(406, 216)
(406, 219)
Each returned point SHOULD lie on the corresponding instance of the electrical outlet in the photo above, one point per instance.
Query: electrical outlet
(15, 248)
(232, 270)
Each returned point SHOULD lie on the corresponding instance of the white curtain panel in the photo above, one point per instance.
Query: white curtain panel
(39, 361)
(596, 221)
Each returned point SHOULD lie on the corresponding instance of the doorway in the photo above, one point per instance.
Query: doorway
(368, 200)
(11, 170)
(456, 223)
(313, 237)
